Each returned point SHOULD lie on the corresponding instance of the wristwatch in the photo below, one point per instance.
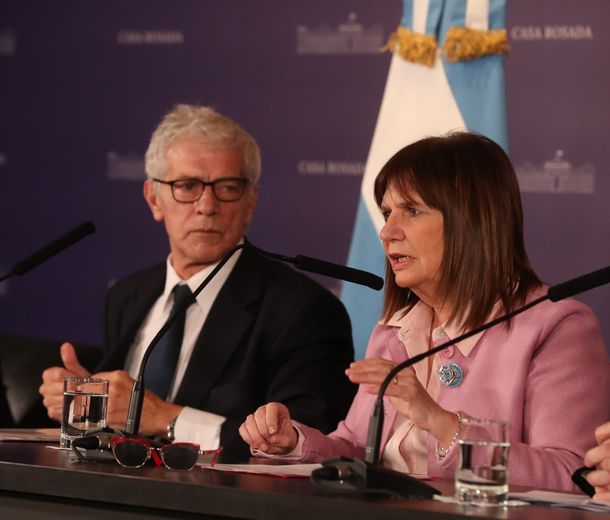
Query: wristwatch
(170, 433)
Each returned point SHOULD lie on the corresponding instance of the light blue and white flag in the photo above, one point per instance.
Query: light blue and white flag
(446, 74)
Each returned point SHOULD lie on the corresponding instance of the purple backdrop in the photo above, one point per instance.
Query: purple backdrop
(84, 83)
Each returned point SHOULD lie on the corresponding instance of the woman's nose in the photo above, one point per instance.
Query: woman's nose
(390, 231)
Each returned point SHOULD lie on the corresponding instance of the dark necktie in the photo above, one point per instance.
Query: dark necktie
(162, 362)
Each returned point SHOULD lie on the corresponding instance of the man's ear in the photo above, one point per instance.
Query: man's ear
(152, 199)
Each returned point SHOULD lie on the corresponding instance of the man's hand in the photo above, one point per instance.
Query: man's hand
(270, 430)
(156, 413)
(52, 387)
(599, 457)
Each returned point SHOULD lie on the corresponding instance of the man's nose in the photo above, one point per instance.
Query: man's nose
(207, 203)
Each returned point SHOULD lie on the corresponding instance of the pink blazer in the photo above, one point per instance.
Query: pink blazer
(548, 374)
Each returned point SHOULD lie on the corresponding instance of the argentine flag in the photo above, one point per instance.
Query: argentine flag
(446, 74)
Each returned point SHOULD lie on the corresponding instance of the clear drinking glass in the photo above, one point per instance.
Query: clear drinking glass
(84, 411)
(482, 473)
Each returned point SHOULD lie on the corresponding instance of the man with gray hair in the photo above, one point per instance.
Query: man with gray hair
(258, 332)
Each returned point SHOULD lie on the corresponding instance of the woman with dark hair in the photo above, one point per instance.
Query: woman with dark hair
(455, 259)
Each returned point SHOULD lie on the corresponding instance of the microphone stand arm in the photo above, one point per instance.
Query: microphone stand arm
(136, 402)
(373, 443)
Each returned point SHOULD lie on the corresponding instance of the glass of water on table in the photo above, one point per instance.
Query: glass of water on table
(84, 409)
(481, 477)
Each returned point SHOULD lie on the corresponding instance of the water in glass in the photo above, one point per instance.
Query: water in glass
(83, 413)
(482, 474)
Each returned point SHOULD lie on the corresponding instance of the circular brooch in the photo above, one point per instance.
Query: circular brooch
(450, 375)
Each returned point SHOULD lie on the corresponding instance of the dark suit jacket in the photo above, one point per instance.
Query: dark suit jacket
(272, 335)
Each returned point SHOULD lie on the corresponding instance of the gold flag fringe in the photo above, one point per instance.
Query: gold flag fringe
(412, 46)
(462, 43)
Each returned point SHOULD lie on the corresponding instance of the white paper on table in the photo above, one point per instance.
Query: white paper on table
(276, 470)
(29, 434)
(562, 500)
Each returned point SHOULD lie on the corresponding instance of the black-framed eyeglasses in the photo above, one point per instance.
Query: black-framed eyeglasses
(226, 189)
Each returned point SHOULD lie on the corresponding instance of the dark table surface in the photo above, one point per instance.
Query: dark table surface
(40, 482)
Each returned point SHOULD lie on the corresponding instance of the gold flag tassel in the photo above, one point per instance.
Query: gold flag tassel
(412, 46)
(462, 43)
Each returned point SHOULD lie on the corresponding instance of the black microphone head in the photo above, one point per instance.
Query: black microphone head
(338, 271)
(325, 473)
(341, 474)
(84, 229)
(581, 284)
(50, 250)
(88, 442)
(342, 272)
(101, 440)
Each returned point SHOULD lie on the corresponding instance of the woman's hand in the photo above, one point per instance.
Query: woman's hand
(270, 430)
(407, 395)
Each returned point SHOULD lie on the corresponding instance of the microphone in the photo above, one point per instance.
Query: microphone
(410, 487)
(346, 474)
(50, 250)
(342, 272)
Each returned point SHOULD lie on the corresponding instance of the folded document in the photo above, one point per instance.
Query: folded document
(562, 500)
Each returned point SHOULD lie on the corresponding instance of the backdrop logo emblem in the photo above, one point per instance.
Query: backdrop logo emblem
(150, 38)
(551, 32)
(128, 167)
(349, 37)
(8, 42)
(556, 176)
(332, 168)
